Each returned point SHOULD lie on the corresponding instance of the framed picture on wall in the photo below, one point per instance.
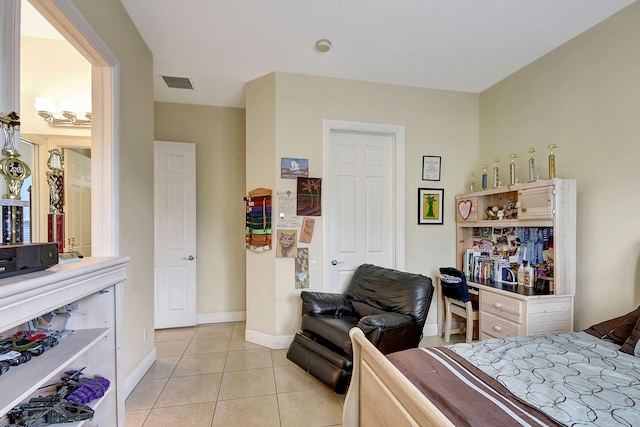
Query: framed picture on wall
(431, 168)
(430, 206)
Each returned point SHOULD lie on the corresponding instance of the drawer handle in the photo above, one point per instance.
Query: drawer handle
(497, 305)
(523, 210)
(497, 328)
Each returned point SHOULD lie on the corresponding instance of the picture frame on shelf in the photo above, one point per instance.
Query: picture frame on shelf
(431, 168)
(430, 206)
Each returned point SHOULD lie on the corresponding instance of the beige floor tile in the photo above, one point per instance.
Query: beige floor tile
(238, 343)
(238, 329)
(240, 384)
(311, 408)
(292, 378)
(145, 394)
(199, 364)
(214, 330)
(208, 345)
(280, 358)
(175, 335)
(189, 390)
(162, 368)
(197, 415)
(248, 359)
(259, 411)
(135, 418)
(171, 349)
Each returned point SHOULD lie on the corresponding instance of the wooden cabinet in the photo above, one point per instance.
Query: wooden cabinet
(93, 286)
(508, 309)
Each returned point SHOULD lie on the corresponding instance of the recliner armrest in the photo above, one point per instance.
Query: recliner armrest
(388, 320)
(318, 303)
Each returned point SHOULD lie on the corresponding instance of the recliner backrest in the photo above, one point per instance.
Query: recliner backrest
(392, 290)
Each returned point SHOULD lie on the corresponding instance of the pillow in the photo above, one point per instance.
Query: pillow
(620, 333)
(617, 329)
(629, 345)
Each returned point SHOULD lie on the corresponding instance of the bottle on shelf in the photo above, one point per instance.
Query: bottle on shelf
(529, 274)
(521, 273)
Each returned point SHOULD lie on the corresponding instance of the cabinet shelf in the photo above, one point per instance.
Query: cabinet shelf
(24, 379)
(94, 287)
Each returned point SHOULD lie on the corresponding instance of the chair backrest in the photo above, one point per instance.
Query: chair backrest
(392, 290)
(454, 284)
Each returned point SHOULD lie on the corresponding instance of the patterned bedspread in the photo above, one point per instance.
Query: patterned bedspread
(569, 379)
(574, 378)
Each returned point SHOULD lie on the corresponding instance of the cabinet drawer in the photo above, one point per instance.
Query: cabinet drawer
(499, 328)
(503, 306)
(536, 203)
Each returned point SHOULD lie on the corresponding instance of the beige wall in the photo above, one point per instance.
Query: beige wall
(436, 123)
(219, 136)
(584, 96)
(135, 168)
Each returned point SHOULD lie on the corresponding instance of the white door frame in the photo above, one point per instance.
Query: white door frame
(66, 18)
(398, 134)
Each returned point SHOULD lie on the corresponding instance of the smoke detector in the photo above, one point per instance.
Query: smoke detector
(323, 45)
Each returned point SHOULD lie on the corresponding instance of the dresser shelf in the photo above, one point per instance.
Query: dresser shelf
(94, 286)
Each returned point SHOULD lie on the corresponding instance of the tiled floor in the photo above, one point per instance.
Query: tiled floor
(210, 376)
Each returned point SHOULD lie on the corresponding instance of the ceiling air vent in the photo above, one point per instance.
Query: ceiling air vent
(177, 82)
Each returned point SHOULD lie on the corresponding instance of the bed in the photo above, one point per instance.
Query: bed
(589, 377)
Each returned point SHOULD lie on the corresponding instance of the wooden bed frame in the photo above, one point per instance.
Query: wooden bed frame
(380, 395)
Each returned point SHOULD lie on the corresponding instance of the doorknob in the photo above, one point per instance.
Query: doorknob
(189, 258)
(336, 262)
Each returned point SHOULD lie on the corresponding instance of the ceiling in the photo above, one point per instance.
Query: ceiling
(460, 45)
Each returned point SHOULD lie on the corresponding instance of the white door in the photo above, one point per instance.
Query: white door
(362, 219)
(174, 234)
(77, 202)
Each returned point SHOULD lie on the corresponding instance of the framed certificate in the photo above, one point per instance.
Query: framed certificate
(431, 168)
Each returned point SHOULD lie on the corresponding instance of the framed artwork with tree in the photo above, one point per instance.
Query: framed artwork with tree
(430, 206)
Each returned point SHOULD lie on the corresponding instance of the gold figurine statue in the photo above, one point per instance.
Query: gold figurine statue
(552, 160)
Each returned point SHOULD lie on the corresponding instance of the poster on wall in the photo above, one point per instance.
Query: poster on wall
(302, 268)
(291, 168)
(287, 210)
(286, 246)
(309, 197)
(430, 205)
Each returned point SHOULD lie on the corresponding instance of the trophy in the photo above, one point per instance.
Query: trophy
(532, 165)
(55, 179)
(496, 173)
(15, 172)
(484, 177)
(552, 160)
(512, 169)
(473, 182)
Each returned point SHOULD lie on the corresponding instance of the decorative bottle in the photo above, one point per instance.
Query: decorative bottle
(521, 273)
(529, 278)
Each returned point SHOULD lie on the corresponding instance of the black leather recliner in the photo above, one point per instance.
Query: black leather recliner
(390, 306)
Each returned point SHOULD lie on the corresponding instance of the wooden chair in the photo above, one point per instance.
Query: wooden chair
(457, 301)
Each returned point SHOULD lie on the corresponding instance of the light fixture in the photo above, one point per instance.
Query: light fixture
(323, 45)
(64, 115)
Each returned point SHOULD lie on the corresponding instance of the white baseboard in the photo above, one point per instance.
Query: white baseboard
(430, 330)
(269, 341)
(136, 375)
(229, 316)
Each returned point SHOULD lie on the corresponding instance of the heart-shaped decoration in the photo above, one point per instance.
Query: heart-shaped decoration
(464, 208)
